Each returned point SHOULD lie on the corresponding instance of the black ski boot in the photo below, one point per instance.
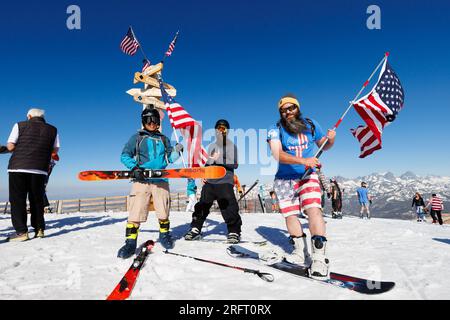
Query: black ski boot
(164, 234)
(129, 248)
(193, 234)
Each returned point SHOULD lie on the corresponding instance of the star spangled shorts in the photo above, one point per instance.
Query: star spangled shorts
(297, 194)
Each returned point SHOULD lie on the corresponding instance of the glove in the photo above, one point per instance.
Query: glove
(3, 149)
(178, 147)
(137, 173)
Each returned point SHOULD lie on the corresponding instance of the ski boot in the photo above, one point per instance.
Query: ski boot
(164, 234)
(18, 237)
(320, 263)
(39, 233)
(233, 238)
(129, 248)
(300, 254)
(193, 234)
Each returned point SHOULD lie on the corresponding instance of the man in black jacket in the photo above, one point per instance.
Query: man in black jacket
(222, 153)
(32, 143)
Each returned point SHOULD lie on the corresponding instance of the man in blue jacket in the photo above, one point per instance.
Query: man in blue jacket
(148, 149)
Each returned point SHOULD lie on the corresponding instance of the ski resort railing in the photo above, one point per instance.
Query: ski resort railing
(178, 202)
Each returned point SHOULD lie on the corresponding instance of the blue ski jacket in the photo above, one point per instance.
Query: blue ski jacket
(148, 150)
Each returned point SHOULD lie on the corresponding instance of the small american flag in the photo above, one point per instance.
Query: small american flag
(171, 46)
(146, 64)
(190, 129)
(129, 44)
(378, 108)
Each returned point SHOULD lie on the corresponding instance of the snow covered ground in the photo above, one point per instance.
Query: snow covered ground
(77, 260)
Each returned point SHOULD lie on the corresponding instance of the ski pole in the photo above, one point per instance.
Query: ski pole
(320, 151)
(265, 276)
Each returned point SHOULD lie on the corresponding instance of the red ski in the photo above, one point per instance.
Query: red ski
(211, 172)
(123, 289)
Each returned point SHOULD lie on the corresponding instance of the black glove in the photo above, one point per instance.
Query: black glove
(137, 173)
(3, 149)
(178, 147)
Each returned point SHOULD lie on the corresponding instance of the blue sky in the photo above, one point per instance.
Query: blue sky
(233, 60)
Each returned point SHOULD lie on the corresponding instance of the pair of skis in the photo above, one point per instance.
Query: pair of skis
(124, 288)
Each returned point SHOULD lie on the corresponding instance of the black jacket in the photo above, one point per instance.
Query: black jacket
(34, 145)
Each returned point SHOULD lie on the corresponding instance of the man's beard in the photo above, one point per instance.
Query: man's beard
(295, 125)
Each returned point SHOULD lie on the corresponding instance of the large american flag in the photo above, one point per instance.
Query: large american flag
(172, 46)
(190, 129)
(378, 109)
(129, 44)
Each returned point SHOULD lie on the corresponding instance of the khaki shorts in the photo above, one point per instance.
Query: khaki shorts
(140, 200)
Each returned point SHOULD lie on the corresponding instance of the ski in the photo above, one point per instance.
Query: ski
(123, 289)
(249, 189)
(359, 285)
(211, 172)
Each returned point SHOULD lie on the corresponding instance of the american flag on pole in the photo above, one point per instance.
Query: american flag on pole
(146, 64)
(190, 129)
(172, 46)
(378, 108)
(129, 44)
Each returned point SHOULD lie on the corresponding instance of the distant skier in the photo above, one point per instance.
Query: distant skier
(436, 208)
(222, 153)
(364, 200)
(323, 185)
(420, 205)
(274, 200)
(292, 141)
(336, 199)
(191, 194)
(148, 149)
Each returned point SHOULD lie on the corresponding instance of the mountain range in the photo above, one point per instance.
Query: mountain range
(392, 195)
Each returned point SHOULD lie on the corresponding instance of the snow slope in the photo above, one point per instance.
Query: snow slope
(77, 260)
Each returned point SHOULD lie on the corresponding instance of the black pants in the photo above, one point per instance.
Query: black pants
(224, 194)
(22, 185)
(336, 204)
(433, 214)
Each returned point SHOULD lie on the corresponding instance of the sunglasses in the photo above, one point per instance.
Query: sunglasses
(290, 109)
(222, 128)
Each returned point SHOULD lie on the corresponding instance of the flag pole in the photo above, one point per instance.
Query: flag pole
(158, 75)
(161, 85)
(140, 46)
(174, 39)
(320, 151)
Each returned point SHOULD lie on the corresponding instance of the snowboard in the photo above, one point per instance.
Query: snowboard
(224, 241)
(210, 172)
(125, 286)
(359, 285)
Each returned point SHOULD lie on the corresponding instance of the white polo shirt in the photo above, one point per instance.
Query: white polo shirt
(14, 136)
